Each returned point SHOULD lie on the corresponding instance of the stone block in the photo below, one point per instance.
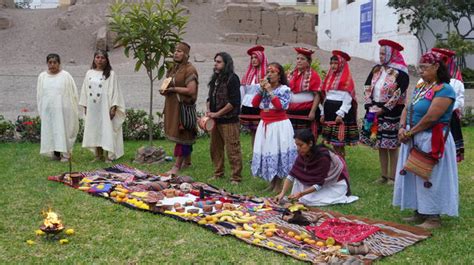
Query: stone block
(249, 26)
(287, 36)
(241, 37)
(240, 11)
(305, 22)
(286, 21)
(307, 38)
(264, 39)
(270, 23)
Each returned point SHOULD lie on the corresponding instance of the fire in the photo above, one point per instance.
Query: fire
(52, 221)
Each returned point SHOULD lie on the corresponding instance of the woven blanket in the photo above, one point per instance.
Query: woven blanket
(380, 237)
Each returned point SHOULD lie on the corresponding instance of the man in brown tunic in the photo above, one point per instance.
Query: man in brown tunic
(182, 88)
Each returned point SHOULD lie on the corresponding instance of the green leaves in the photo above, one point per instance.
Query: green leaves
(150, 29)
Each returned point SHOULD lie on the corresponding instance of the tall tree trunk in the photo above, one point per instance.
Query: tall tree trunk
(150, 115)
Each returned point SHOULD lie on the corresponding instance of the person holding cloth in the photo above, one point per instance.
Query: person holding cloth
(223, 105)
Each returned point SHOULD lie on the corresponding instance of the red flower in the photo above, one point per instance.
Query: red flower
(27, 123)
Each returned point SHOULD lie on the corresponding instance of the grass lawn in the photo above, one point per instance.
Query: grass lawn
(113, 234)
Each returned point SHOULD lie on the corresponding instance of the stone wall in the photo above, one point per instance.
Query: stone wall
(7, 4)
(266, 24)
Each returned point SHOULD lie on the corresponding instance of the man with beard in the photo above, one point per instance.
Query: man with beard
(182, 89)
(223, 105)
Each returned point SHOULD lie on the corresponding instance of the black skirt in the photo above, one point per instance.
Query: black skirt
(332, 133)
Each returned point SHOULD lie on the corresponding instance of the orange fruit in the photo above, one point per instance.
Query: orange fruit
(269, 233)
(312, 242)
(306, 240)
(320, 244)
(209, 218)
(113, 193)
(298, 238)
(291, 233)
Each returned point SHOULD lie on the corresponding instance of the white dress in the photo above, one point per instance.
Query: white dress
(99, 95)
(57, 107)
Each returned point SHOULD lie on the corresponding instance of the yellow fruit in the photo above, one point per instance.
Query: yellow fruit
(254, 225)
(291, 233)
(320, 244)
(70, 232)
(202, 222)
(302, 255)
(304, 235)
(292, 251)
(209, 218)
(330, 241)
(256, 241)
(298, 238)
(312, 242)
(240, 228)
(113, 194)
(30, 242)
(63, 241)
(39, 232)
(270, 244)
(306, 240)
(280, 247)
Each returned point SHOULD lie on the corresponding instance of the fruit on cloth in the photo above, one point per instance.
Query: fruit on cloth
(270, 244)
(291, 233)
(320, 244)
(256, 241)
(298, 238)
(202, 221)
(39, 232)
(70, 232)
(330, 241)
(243, 234)
(269, 233)
(280, 247)
(302, 255)
(259, 236)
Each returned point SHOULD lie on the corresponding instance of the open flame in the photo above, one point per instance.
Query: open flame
(52, 221)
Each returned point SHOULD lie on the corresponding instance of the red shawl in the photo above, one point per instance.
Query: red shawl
(340, 79)
(258, 72)
(312, 170)
(307, 80)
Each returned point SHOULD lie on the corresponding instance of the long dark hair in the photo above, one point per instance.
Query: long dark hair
(226, 73)
(53, 56)
(443, 73)
(306, 136)
(283, 80)
(107, 67)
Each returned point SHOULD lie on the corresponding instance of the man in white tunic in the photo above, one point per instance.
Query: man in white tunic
(104, 108)
(57, 107)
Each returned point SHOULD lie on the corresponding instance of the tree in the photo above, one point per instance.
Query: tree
(420, 12)
(150, 30)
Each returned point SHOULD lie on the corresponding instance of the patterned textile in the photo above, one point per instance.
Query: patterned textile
(394, 59)
(331, 132)
(343, 232)
(393, 90)
(387, 133)
(255, 72)
(390, 239)
(340, 79)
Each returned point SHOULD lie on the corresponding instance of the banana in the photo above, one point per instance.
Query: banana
(227, 219)
(248, 227)
(271, 230)
(240, 220)
(241, 233)
(269, 225)
(259, 236)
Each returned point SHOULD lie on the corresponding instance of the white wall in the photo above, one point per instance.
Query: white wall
(344, 26)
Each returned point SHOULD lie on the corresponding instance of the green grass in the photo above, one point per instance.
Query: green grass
(113, 234)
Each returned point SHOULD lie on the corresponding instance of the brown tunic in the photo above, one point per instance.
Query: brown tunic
(182, 74)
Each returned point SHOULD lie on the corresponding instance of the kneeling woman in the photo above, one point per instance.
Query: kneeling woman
(319, 175)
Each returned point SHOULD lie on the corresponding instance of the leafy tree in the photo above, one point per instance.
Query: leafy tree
(420, 12)
(150, 30)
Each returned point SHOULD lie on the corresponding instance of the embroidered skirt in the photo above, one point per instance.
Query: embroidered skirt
(250, 123)
(333, 133)
(274, 150)
(386, 135)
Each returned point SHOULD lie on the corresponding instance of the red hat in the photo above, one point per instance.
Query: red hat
(254, 49)
(443, 51)
(342, 54)
(304, 51)
(395, 45)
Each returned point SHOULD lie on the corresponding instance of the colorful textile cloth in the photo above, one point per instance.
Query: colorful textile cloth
(343, 232)
(339, 79)
(346, 133)
(394, 59)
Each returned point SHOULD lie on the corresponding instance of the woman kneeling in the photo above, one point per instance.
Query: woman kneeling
(319, 175)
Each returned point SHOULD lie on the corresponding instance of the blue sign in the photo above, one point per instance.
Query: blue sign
(366, 18)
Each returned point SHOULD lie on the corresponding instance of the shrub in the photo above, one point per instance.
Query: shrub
(29, 128)
(7, 130)
(468, 118)
(135, 126)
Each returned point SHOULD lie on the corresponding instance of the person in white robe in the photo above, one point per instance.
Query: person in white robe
(57, 108)
(104, 107)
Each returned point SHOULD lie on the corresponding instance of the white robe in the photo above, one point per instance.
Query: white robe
(99, 95)
(57, 107)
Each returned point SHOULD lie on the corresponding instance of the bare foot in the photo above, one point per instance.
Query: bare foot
(173, 171)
